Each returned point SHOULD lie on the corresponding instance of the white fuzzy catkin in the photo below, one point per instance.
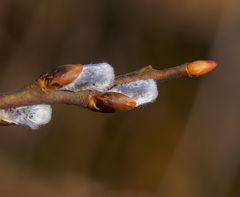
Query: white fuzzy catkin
(142, 91)
(33, 116)
(97, 77)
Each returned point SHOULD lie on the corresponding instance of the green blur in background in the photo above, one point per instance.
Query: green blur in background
(186, 144)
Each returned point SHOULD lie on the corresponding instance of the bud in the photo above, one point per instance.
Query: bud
(98, 77)
(142, 91)
(111, 102)
(60, 76)
(33, 116)
(147, 68)
(200, 67)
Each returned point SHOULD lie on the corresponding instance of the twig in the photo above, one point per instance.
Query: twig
(34, 95)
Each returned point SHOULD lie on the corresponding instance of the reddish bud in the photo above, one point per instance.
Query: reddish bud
(147, 68)
(60, 76)
(200, 67)
(111, 102)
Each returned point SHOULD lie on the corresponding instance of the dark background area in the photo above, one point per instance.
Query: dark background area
(185, 144)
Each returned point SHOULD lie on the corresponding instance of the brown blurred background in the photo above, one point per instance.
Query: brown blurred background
(186, 144)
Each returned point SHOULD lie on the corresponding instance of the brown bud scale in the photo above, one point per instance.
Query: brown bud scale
(5, 123)
(111, 102)
(200, 67)
(59, 77)
(147, 68)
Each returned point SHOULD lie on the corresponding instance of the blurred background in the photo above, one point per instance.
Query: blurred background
(185, 144)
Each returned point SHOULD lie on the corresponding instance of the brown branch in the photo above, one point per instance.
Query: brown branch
(150, 73)
(34, 94)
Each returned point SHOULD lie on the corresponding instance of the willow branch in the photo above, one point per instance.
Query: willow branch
(34, 94)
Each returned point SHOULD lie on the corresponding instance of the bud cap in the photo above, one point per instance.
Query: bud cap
(200, 67)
